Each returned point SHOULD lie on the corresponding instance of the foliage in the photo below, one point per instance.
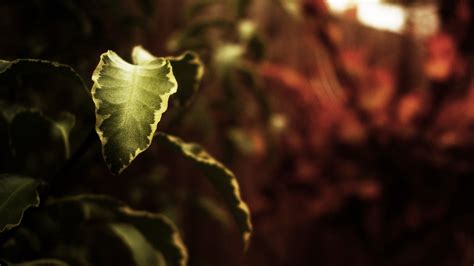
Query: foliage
(129, 100)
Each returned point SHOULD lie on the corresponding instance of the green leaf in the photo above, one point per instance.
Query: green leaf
(142, 251)
(8, 65)
(187, 68)
(31, 80)
(161, 232)
(51, 87)
(34, 152)
(129, 100)
(17, 193)
(221, 177)
(157, 229)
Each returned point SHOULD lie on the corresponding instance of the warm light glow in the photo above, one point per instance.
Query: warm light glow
(340, 6)
(373, 13)
(381, 16)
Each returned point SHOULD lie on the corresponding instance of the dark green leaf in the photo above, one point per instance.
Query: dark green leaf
(161, 232)
(188, 70)
(221, 177)
(158, 230)
(17, 193)
(34, 152)
(7, 65)
(51, 87)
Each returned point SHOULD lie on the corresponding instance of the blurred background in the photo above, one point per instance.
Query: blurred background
(349, 123)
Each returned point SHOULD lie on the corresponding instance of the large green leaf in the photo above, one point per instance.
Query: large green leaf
(221, 177)
(129, 100)
(156, 229)
(187, 68)
(17, 193)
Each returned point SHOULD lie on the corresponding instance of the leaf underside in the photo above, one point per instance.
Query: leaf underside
(129, 100)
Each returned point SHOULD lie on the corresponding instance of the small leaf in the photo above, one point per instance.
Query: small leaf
(129, 100)
(142, 251)
(187, 68)
(221, 177)
(17, 193)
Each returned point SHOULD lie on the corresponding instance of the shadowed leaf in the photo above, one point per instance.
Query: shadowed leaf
(17, 193)
(156, 229)
(221, 177)
(34, 152)
(142, 251)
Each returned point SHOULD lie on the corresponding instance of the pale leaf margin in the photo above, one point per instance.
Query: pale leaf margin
(112, 56)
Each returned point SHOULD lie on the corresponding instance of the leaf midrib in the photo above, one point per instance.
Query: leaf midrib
(130, 96)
